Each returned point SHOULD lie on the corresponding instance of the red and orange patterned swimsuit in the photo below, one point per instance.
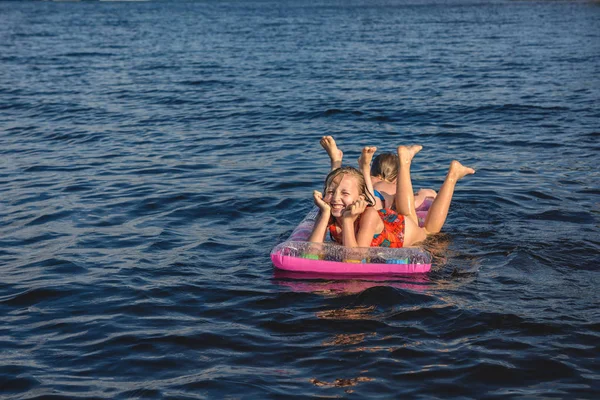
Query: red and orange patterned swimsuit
(392, 234)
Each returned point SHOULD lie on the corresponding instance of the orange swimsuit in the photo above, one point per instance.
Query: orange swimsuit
(392, 234)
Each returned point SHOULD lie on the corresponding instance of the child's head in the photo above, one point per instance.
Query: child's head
(385, 166)
(343, 187)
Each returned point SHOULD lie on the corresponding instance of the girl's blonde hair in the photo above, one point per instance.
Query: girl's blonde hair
(385, 166)
(362, 186)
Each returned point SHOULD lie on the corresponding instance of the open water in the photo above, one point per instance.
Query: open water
(153, 153)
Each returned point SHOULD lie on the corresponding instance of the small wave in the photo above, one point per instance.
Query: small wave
(35, 34)
(587, 191)
(512, 108)
(159, 67)
(30, 297)
(12, 382)
(206, 82)
(540, 195)
(531, 143)
(158, 171)
(15, 105)
(382, 118)
(32, 240)
(55, 168)
(561, 216)
(172, 101)
(80, 187)
(384, 295)
(48, 218)
(84, 54)
(335, 111)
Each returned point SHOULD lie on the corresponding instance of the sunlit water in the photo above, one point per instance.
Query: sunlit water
(152, 154)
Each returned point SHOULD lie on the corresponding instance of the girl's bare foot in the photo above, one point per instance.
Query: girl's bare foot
(364, 161)
(335, 154)
(458, 171)
(406, 153)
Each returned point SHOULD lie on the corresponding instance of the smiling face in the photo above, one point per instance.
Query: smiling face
(342, 192)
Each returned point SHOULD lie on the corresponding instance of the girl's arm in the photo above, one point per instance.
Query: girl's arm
(370, 223)
(369, 183)
(320, 228)
(364, 164)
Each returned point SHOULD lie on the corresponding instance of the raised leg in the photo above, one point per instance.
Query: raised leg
(436, 217)
(405, 197)
(335, 154)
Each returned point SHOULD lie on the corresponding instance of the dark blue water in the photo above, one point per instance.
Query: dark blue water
(152, 154)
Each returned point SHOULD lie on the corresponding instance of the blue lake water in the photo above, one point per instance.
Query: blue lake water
(153, 153)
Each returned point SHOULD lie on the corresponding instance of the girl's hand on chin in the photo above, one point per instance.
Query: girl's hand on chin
(318, 198)
(357, 208)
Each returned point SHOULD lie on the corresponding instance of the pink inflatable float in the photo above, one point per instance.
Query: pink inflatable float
(298, 255)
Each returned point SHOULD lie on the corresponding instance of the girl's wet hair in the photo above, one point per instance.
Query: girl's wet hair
(385, 166)
(362, 186)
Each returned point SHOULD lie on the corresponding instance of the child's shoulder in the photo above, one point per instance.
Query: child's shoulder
(369, 213)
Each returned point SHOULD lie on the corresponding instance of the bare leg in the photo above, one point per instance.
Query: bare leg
(364, 164)
(412, 233)
(439, 209)
(405, 197)
(335, 154)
